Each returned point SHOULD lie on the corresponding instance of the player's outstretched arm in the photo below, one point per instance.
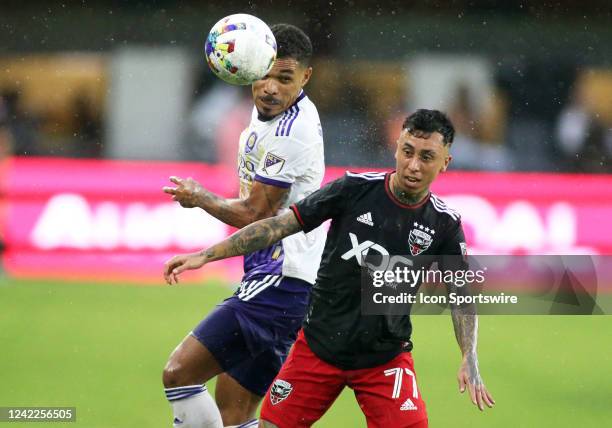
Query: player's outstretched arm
(465, 323)
(253, 237)
(264, 201)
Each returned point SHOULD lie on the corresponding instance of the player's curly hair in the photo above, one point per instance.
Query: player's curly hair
(425, 121)
(292, 42)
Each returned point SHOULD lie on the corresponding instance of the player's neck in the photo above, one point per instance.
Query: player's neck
(264, 118)
(403, 196)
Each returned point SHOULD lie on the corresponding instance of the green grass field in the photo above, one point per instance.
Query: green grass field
(102, 348)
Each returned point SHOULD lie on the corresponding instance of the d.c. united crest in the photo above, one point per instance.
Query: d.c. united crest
(279, 391)
(420, 238)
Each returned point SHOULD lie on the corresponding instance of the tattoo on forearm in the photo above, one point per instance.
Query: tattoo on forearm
(465, 323)
(466, 326)
(255, 236)
(236, 212)
(222, 208)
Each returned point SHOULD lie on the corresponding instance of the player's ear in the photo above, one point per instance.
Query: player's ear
(307, 74)
(446, 162)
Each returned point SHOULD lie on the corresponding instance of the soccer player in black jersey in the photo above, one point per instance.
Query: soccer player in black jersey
(383, 213)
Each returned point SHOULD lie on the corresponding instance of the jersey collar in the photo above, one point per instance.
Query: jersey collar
(299, 98)
(397, 201)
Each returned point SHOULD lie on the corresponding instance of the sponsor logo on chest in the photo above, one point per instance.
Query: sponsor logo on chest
(366, 219)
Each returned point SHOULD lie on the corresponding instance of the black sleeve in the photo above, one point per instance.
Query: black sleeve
(325, 203)
(453, 249)
(454, 258)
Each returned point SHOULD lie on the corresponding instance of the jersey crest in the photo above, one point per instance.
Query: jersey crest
(420, 238)
(279, 391)
(250, 142)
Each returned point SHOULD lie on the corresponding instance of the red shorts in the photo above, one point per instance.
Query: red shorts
(307, 386)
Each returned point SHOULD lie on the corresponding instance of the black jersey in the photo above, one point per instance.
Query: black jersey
(366, 217)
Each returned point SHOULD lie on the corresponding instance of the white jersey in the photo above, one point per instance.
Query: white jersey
(286, 151)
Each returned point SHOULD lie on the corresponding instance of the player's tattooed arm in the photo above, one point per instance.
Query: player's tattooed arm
(465, 323)
(263, 201)
(256, 236)
(253, 237)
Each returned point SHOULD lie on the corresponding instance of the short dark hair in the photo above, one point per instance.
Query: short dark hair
(425, 121)
(291, 42)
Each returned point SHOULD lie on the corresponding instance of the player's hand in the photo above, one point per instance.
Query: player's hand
(180, 263)
(187, 191)
(469, 377)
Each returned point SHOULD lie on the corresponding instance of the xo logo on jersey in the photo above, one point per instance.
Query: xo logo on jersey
(360, 250)
(420, 238)
(279, 391)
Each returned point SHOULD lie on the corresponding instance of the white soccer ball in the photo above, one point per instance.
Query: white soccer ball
(240, 49)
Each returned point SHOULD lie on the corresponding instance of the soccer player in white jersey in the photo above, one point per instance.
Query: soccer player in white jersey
(245, 340)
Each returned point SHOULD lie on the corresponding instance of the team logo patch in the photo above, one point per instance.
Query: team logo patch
(273, 164)
(464, 252)
(250, 142)
(279, 391)
(420, 238)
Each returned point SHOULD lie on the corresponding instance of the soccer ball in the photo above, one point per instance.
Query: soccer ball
(240, 49)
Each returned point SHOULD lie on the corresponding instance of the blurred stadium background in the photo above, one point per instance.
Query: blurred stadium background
(101, 101)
